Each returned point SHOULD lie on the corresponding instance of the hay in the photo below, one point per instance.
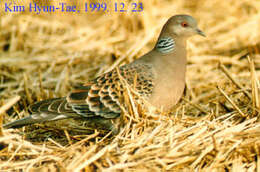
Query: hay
(215, 127)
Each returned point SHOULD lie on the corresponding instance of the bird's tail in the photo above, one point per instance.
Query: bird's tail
(32, 119)
(43, 111)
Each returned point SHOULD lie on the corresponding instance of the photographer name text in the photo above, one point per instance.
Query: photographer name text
(66, 8)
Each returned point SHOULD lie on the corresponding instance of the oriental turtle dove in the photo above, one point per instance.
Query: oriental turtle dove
(158, 76)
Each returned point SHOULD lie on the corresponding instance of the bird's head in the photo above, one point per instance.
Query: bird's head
(183, 25)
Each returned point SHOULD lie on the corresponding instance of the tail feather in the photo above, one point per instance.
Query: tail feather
(35, 108)
(35, 118)
(43, 111)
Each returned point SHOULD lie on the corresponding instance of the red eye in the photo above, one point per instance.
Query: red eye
(184, 24)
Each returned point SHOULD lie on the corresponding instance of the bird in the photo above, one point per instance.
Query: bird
(158, 76)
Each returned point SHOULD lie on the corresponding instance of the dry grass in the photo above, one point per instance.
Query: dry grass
(214, 128)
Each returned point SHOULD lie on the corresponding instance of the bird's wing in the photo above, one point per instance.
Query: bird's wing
(101, 97)
(104, 95)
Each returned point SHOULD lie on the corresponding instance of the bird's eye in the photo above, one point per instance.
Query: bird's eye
(184, 24)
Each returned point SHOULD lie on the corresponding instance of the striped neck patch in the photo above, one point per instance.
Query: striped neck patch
(165, 45)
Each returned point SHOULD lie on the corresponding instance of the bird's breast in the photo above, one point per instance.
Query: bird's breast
(167, 93)
(169, 85)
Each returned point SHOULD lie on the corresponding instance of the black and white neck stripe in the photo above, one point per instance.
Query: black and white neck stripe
(165, 45)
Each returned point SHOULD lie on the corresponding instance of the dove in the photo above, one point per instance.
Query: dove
(158, 76)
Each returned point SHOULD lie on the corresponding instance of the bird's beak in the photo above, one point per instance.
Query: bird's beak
(200, 32)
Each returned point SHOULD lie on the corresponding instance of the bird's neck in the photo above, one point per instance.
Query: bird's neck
(169, 51)
(172, 48)
(167, 44)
